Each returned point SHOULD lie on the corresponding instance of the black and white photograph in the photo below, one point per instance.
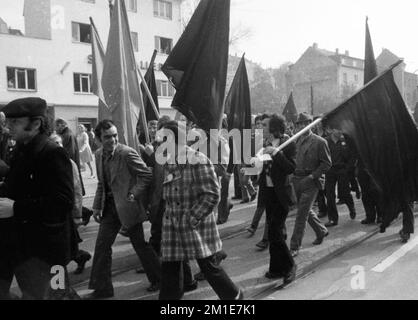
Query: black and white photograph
(208, 155)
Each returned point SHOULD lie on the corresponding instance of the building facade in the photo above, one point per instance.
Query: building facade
(322, 79)
(53, 58)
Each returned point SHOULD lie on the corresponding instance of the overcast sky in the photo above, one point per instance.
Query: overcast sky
(281, 30)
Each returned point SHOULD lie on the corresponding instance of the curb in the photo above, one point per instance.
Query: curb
(310, 268)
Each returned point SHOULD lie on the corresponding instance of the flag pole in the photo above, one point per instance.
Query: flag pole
(317, 121)
(147, 91)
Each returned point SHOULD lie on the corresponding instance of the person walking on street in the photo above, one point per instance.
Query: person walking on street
(41, 188)
(313, 159)
(342, 160)
(277, 192)
(191, 193)
(123, 185)
(86, 156)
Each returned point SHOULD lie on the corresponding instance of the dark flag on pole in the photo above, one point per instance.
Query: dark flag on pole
(150, 80)
(378, 122)
(197, 66)
(289, 111)
(238, 102)
(370, 68)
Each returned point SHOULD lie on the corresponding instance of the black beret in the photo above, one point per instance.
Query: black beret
(304, 117)
(26, 107)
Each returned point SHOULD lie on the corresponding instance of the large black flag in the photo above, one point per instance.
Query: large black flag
(289, 111)
(378, 122)
(370, 68)
(238, 102)
(197, 66)
(152, 86)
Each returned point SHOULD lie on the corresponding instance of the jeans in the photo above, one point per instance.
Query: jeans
(281, 260)
(172, 279)
(101, 272)
(306, 191)
(331, 180)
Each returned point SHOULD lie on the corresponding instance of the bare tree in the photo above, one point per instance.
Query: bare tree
(238, 33)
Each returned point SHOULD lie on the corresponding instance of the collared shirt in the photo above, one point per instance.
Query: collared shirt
(313, 156)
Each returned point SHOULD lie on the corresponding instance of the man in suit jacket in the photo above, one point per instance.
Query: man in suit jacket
(123, 183)
(277, 194)
(40, 182)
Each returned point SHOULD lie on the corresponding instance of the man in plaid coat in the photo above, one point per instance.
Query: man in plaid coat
(191, 193)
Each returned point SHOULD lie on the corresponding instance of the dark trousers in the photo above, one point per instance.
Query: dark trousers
(331, 180)
(224, 203)
(322, 203)
(237, 185)
(156, 229)
(101, 273)
(8, 249)
(408, 218)
(369, 196)
(172, 279)
(281, 260)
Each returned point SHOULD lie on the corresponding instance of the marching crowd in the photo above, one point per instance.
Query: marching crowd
(42, 190)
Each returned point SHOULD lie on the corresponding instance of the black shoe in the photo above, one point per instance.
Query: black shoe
(221, 255)
(322, 215)
(340, 202)
(358, 194)
(191, 286)
(274, 275)
(404, 236)
(367, 221)
(352, 214)
(263, 244)
(236, 198)
(154, 287)
(86, 215)
(319, 240)
(200, 276)
(81, 263)
(244, 201)
(291, 276)
(251, 230)
(331, 223)
(95, 295)
(253, 197)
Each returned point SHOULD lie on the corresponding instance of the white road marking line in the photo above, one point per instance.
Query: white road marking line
(395, 256)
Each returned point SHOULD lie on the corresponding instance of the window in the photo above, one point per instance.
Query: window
(354, 63)
(134, 36)
(21, 79)
(163, 9)
(82, 83)
(163, 45)
(132, 5)
(345, 78)
(81, 32)
(356, 78)
(164, 89)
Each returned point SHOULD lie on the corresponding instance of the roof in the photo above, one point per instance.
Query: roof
(2, 21)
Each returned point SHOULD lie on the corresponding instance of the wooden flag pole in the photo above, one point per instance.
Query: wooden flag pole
(148, 91)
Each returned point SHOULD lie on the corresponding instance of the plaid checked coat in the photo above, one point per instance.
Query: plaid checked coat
(191, 192)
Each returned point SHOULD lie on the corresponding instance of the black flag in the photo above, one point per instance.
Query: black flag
(370, 68)
(238, 102)
(197, 66)
(289, 111)
(378, 122)
(152, 86)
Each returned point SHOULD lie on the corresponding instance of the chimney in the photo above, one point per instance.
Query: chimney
(337, 51)
(315, 46)
(347, 53)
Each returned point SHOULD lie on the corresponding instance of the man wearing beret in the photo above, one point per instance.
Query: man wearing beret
(313, 160)
(40, 187)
